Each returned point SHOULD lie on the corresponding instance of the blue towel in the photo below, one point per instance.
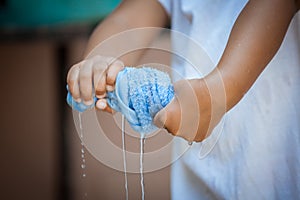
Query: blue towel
(139, 94)
(81, 107)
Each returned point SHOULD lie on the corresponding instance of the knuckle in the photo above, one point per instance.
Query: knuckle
(99, 68)
(72, 72)
(75, 66)
(109, 59)
(119, 63)
(100, 90)
(116, 65)
(100, 87)
(110, 79)
(71, 83)
(70, 80)
(97, 58)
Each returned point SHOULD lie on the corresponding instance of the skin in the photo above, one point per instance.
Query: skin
(254, 40)
(99, 72)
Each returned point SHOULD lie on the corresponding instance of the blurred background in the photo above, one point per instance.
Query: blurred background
(39, 146)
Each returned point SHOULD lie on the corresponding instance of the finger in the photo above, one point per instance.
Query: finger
(100, 79)
(112, 73)
(102, 105)
(73, 82)
(110, 88)
(160, 118)
(169, 117)
(189, 109)
(85, 82)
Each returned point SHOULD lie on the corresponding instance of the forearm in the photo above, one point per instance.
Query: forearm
(129, 14)
(255, 38)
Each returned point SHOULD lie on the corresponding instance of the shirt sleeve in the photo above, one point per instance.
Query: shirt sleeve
(167, 5)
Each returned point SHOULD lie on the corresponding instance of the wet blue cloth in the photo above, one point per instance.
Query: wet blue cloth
(81, 107)
(139, 94)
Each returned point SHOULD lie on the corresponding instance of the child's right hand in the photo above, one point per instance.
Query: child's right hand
(94, 75)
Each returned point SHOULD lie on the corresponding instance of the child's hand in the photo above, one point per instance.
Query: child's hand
(189, 115)
(97, 74)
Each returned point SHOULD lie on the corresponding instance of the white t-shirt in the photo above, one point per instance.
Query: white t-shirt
(255, 153)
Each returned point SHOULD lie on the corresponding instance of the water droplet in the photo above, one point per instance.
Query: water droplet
(82, 151)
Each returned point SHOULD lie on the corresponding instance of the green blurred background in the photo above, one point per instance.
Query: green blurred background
(34, 13)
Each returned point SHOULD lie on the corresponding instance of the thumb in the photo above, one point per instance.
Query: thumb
(160, 118)
(169, 117)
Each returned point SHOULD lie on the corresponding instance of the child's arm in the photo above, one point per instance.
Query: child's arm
(255, 38)
(129, 14)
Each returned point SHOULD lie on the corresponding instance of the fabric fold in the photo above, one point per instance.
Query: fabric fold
(139, 94)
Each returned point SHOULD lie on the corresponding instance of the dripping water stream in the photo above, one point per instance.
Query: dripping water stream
(83, 164)
(142, 144)
(124, 157)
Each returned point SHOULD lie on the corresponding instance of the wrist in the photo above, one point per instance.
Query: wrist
(217, 92)
(225, 88)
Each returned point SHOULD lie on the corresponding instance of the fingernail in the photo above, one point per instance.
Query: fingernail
(110, 88)
(160, 119)
(78, 100)
(101, 105)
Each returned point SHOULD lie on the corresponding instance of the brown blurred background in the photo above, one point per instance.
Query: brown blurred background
(40, 148)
